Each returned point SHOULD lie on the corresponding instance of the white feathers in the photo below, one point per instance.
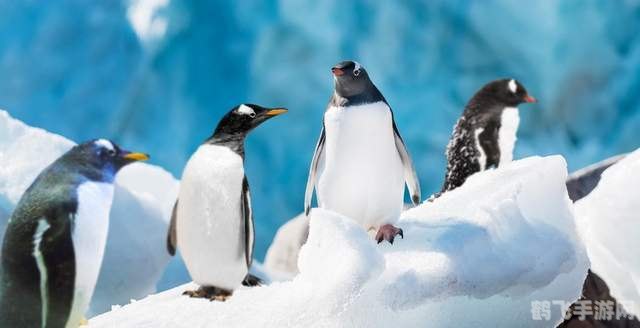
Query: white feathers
(356, 68)
(246, 110)
(90, 227)
(104, 143)
(42, 227)
(513, 87)
(209, 225)
(482, 156)
(510, 120)
(361, 176)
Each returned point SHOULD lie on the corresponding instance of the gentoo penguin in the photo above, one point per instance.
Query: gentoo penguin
(485, 135)
(361, 163)
(55, 238)
(212, 222)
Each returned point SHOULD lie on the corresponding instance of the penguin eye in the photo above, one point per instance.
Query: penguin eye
(252, 114)
(356, 72)
(111, 152)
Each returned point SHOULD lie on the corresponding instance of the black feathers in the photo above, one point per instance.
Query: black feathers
(474, 144)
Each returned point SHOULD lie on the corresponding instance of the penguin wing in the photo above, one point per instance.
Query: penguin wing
(172, 238)
(410, 175)
(247, 215)
(489, 141)
(313, 170)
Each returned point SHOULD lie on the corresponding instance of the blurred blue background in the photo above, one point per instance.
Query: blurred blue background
(156, 75)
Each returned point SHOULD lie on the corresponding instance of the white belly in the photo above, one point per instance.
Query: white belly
(91, 225)
(510, 120)
(209, 223)
(362, 174)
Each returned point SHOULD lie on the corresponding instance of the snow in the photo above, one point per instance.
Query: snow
(135, 255)
(610, 225)
(457, 266)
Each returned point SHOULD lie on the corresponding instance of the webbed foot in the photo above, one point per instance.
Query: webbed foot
(210, 292)
(388, 232)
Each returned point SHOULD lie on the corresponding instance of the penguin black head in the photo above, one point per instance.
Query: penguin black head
(240, 120)
(351, 79)
(507, 92)
(100, 159)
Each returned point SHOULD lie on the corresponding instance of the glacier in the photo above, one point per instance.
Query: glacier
(457, 266)
(157, 75)
(608, 219)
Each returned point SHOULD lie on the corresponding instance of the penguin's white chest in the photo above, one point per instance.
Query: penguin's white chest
(210, 226)
(89, 236)
(509, 122)
(361, 175)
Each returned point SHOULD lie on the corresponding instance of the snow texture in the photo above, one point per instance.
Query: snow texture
(610, 224)
(456, 267)
(135, 254)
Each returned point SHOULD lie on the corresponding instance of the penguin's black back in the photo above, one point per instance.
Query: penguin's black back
(52, 197)
(483, 111)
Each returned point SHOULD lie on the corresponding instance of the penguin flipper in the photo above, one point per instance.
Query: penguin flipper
(247, 214)
(313, 170)
(172, 238)
(410, 175)
(488, 140)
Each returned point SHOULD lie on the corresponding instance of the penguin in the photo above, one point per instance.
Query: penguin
(485, 135)
(212, 221)
(55, 238)
(360, 164)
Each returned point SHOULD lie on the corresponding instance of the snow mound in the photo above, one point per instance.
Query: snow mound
(479, 254)
(609, 221)
(135, 255)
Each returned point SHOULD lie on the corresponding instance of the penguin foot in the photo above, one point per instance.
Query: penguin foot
(251, 281)
(388, 232)
(210, 292)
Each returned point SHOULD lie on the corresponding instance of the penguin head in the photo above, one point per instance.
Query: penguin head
(351, 79)
(101, 159)
(508, 92)
(244, 118)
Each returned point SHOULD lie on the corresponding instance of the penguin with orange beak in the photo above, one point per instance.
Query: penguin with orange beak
(212, 222)
(55, 239)
(485, 135)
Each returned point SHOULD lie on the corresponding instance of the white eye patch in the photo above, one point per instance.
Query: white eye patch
(104, 143)
(513, 87)
(357, 66)
(246, 110)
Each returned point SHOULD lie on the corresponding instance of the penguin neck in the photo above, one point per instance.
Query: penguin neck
(233, 141)
(371, 94)
(86, 170)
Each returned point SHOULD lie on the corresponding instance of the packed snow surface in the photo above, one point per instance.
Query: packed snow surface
(609, 218)
(471, 257)
(135, 255)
